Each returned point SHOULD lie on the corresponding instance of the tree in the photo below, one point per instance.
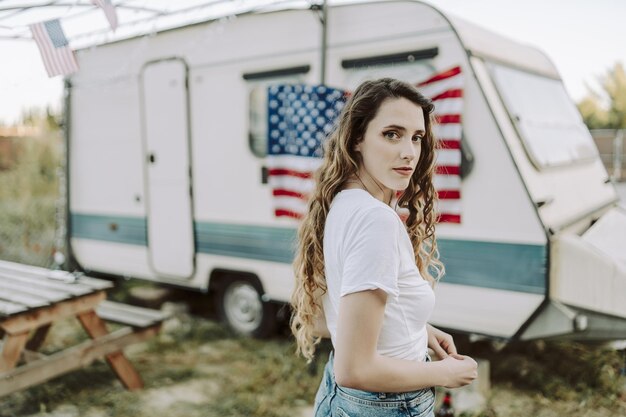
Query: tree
(606, 110)
(45, 118)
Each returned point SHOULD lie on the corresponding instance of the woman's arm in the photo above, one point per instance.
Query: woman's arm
(320, 328)
(358, 365)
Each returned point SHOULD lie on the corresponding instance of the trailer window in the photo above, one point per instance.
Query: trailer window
(551, 128)
(257, 122)
(410, 72)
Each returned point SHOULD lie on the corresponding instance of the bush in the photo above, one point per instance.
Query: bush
(28, 201)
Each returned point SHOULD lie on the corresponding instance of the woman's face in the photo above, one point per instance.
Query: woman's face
(391, 146)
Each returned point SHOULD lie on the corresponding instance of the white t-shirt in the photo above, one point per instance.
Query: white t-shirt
(366, 246)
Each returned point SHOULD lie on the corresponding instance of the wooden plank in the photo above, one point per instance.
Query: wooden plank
(145, 313)
(73, 288)
(8, 308)
(32, 319)
(17, 297)
(95, 327)
(33, 290)
(17, 267)
(124, 318)
(31, 356)
(12, 350)
(38, 272)
(96, 283)
(70, 359)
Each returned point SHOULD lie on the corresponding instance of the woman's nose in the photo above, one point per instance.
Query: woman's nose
(409, 151)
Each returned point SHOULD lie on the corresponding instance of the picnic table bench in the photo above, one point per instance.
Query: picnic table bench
(32, 299)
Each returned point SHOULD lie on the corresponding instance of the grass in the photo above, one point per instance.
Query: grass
(557, 370)
(28, 199)
(237, 376)
(196, 367)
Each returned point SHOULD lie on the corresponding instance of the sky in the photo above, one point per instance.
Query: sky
(583, 38)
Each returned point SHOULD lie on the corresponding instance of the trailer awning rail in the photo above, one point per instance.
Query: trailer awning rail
(85, 24)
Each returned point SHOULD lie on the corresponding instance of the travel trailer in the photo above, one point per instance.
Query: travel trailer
(175, 141)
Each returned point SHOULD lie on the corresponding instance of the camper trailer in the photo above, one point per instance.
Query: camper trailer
(176, 139)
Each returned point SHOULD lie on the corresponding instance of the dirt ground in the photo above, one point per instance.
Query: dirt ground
(195, 367)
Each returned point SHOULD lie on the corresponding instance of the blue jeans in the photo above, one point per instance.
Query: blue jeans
(333, 400)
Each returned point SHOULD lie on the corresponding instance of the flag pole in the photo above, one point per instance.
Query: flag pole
(324, 41)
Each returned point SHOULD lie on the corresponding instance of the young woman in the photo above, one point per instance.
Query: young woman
(362, 275)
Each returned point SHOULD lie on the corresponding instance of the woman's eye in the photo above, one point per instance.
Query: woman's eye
(417, 138)
(390, 134)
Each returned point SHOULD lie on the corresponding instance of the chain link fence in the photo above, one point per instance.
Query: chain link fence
(32, 200)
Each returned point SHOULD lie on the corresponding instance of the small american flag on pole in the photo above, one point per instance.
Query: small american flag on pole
(57, 56)
(445, 89)
(299, 118)
(109, 11)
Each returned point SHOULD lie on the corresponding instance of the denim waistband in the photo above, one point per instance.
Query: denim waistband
(409, 398)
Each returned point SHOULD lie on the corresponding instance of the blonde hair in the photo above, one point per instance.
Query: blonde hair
(340, 161)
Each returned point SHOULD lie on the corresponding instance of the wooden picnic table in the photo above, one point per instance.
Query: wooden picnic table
(32, 299)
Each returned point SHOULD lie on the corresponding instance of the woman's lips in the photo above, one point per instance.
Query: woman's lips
(404, 171)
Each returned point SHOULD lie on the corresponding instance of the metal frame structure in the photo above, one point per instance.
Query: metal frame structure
(85, 25)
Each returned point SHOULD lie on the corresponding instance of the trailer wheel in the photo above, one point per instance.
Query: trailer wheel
(243, 310)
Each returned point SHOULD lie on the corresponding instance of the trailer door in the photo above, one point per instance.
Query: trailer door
(171, 244)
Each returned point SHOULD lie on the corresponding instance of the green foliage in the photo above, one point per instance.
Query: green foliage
(594, 115)
(606, 109)
(46, 118)
(560, 370)
(28, 196)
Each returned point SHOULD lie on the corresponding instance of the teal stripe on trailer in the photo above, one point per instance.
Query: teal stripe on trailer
(129, 230)
(246, 241)
(506, 266)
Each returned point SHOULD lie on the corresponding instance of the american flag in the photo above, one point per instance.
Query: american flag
(445, 89)
(299, 118)
(109, 11)
(57, 56)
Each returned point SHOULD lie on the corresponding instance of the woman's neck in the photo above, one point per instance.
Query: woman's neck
(376, 190)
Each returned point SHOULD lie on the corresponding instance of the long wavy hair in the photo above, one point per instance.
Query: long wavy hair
(340, 162)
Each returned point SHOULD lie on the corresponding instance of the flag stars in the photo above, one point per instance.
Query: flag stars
(302, 117)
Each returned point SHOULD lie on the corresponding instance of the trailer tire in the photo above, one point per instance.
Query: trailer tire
(242, 309)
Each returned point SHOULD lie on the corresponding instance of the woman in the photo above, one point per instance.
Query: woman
(362, 275)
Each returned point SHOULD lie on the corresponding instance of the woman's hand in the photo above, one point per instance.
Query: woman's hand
(459, 370)
(440, 342)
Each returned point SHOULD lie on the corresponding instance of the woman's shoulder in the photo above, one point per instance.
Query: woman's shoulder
(359, 209)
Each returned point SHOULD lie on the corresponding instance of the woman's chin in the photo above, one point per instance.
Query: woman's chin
(400, 185)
